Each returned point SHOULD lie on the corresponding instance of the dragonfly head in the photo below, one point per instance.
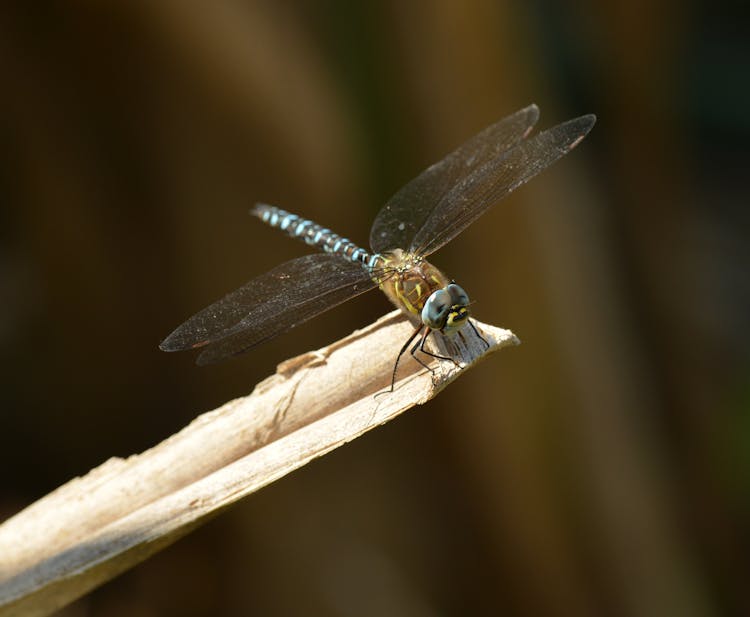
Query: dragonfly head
(446, 309)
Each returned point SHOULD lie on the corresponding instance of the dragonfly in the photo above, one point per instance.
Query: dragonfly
(420, 218)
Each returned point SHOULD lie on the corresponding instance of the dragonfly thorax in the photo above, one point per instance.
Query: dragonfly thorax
(423, 292)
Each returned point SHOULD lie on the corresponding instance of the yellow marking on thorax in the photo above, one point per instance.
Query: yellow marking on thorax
(404, 296)
(412, 282)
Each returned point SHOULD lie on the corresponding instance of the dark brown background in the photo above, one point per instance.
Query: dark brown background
(600, 468)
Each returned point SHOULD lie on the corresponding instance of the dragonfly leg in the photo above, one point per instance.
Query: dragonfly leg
(481, 338)
(401, 353)
(429, 353)
(413, 350)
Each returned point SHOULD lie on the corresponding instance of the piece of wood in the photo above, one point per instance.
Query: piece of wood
(95, 527)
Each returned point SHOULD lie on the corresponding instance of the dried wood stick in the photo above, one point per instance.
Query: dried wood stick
(95, 527)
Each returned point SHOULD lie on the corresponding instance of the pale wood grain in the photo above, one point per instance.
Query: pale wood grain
(92, 528)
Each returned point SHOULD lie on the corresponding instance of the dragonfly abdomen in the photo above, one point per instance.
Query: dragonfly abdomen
(314, 234)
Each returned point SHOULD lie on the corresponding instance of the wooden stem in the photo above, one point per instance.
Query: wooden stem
(95, 527)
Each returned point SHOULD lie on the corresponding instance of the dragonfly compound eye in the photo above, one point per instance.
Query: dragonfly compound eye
(436, 309)
(458, 296)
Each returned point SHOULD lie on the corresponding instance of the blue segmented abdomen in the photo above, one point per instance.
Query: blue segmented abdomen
(315, 235)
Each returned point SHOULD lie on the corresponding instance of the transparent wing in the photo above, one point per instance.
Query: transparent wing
(406, 212)
(273, 303)
(488, 184)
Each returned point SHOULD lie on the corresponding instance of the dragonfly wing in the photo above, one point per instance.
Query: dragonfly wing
(488, 184)
(406, 212)
(273, 303)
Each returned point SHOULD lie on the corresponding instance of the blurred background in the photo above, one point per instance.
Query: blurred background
(602, 468)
